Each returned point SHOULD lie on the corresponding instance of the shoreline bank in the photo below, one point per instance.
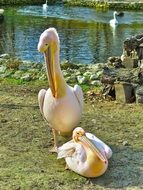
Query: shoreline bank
(103, 5)
(102, 78)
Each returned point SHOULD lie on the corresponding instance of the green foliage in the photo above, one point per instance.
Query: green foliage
(91, 3)
(85, 87)
(11, 81)
(67, 65)
(105, 5)
(25, 2)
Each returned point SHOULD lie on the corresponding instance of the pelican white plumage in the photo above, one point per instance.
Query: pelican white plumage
(114, 22)
(85, 154)
(61, 105)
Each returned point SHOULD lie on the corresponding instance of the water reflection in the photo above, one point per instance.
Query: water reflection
(85, 35)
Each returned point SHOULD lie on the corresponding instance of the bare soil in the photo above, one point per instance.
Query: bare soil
(26, 164)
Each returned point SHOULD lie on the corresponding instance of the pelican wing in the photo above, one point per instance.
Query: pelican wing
(72, 149)
(104, 148)
(79, 95)
(66, 150)
(41, 97)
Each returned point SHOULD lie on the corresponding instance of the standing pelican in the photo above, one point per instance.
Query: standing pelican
(85, 154)
(114, 21)
(61, 105)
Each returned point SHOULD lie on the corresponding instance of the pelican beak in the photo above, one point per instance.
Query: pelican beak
(41, 48)
(55, 78)
(49, 65)
(92, 146)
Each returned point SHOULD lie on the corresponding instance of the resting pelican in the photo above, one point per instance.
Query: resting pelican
(61, 105)
(114, 21)
(85, 154)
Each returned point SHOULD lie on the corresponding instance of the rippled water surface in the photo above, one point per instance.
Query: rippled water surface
(85, 34)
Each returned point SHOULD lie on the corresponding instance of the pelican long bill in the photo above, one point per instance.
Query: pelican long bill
(50, 70)
(89, 144)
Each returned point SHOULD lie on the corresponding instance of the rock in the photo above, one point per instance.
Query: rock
(111, 59)
(125, 143)
(65, 73)
(118, 65)
(8, 73)
(18, 74)
(77, 73)
(66, 65)
(5, 56)
(94, 121)
(83, 69)
(93, 77)
(124, 92)
(37, 65)
(2, 69)
(1, 11)
(139, 94)
(4, 120)
(26, 65)
(33, 70)
(71, 79)
(139, 90)
(128, 62)
(87, 74)
(2, 61)
(99, 73)
(116, 62)
(96, 67)
(96, 83)
(136, 135)
(43, 77)
(81, 79)
(26, 77)
(16, 119)
(139, 99)
(141, 64)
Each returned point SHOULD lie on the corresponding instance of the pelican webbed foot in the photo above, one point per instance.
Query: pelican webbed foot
(54, 149)
(66, 167)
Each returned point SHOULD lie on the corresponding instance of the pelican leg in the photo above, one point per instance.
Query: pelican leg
(66, 167)
(55, 135)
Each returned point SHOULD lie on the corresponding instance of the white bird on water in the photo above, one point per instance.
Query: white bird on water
(114, 21)
(45, 6)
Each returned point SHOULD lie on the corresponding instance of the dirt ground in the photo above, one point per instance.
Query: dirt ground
(26, 164)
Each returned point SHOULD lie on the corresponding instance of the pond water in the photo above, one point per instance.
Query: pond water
(85, 34)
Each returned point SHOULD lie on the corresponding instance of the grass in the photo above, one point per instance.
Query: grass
(25, 162)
